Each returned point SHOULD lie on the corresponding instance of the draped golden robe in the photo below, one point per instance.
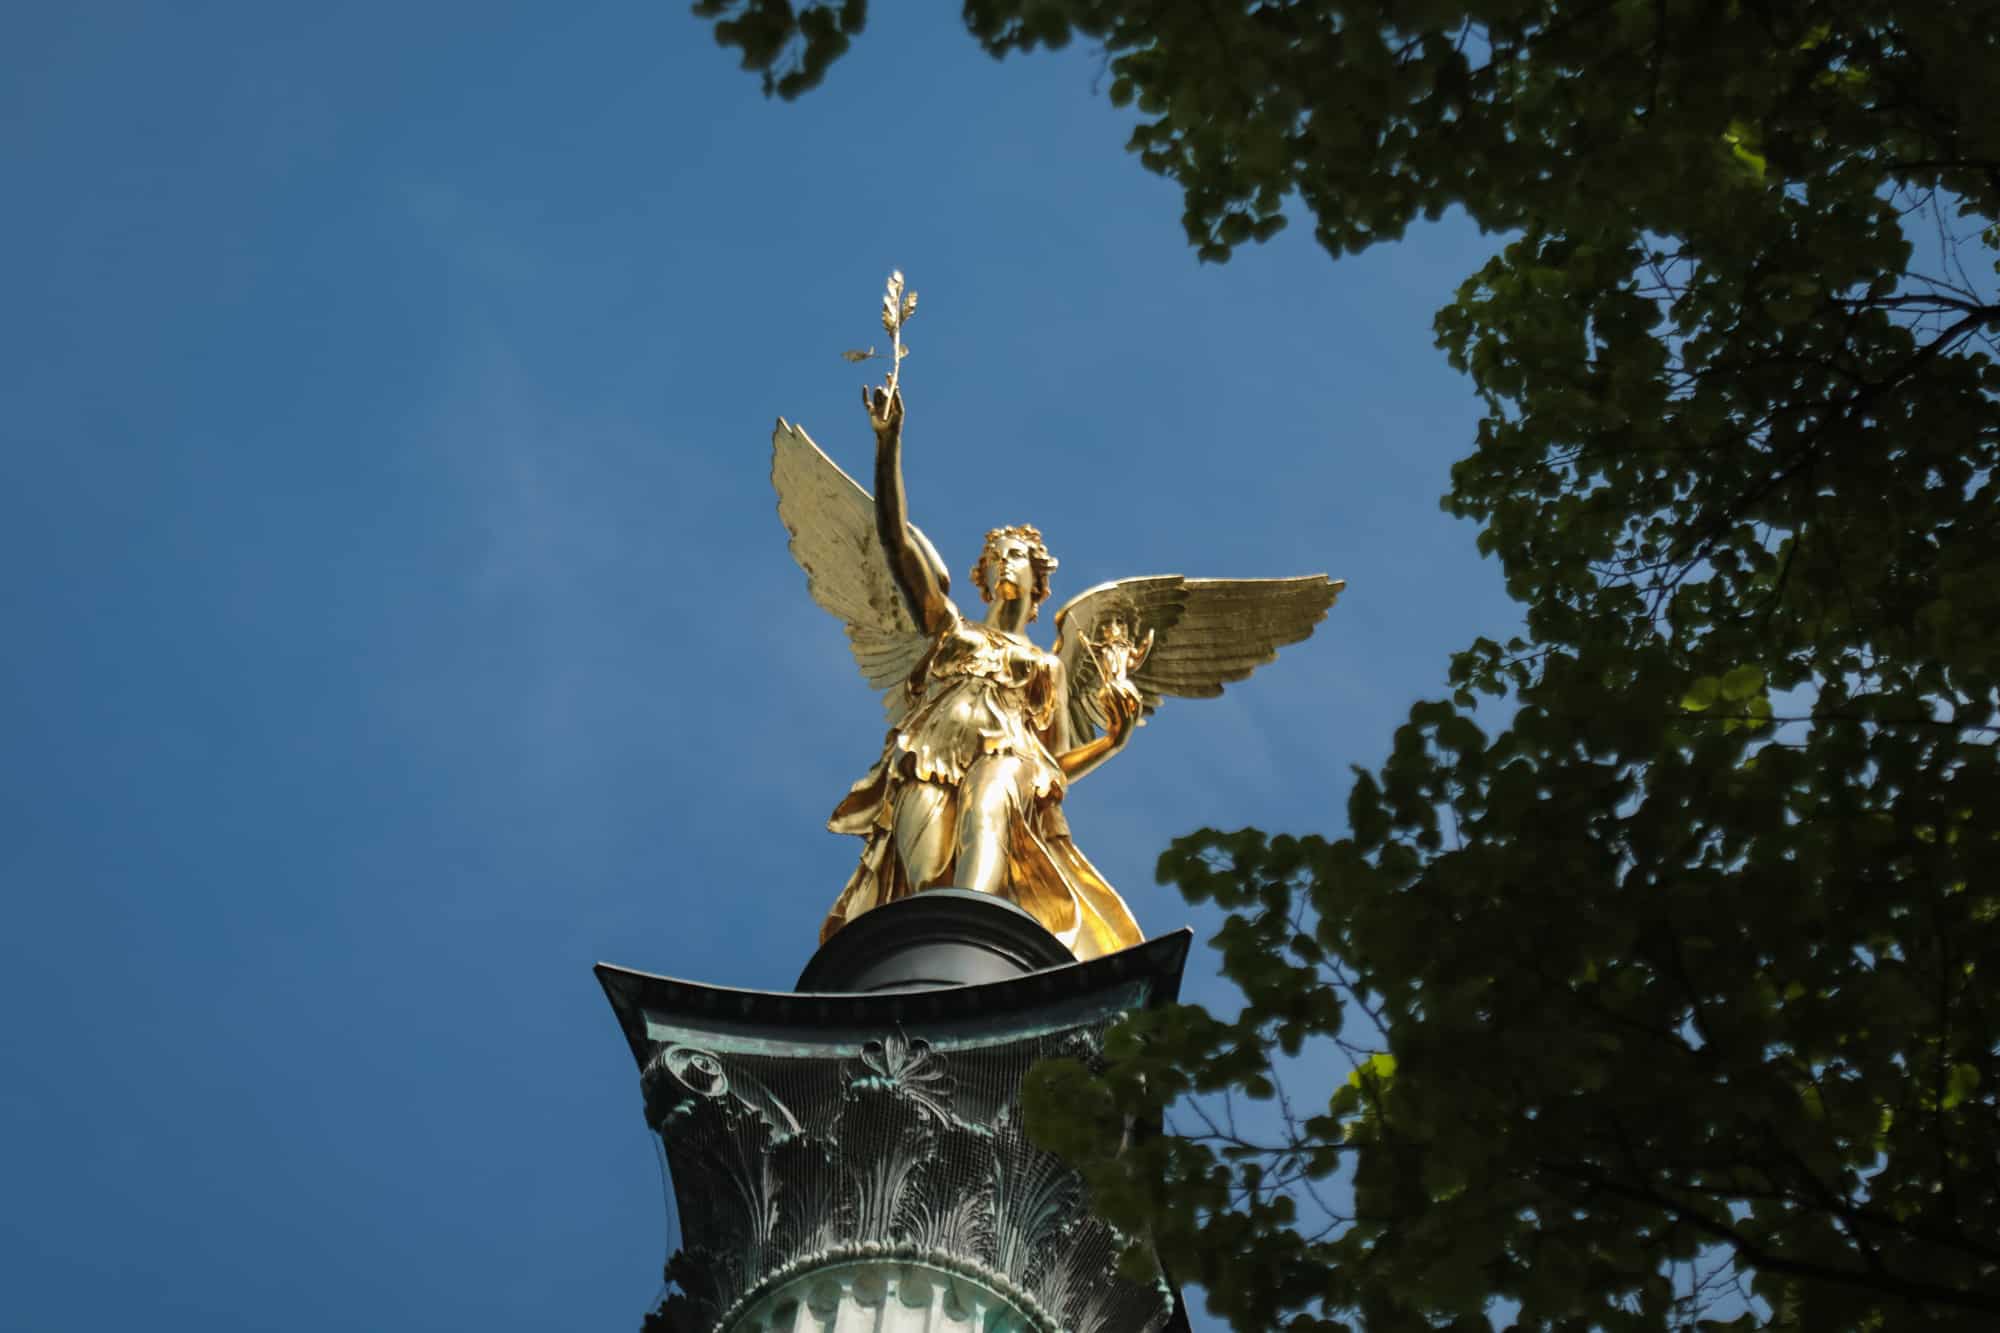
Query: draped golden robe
(980, 692)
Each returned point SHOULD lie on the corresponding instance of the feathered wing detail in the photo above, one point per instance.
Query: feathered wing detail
(1205, 633)
(831, 520)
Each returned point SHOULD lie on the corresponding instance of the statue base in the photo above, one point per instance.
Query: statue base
(936, 938)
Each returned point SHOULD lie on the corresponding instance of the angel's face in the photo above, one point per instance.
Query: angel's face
(1010, 570)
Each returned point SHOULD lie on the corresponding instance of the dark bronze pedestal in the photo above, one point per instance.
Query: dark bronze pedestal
(851, 1155)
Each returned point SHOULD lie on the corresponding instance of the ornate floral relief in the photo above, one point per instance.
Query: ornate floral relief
(1036, 1198)
(816, 1207)
(889, 1148)
(1076, 1285)
(912, 1070)
(938, 1213)
(880, 1176)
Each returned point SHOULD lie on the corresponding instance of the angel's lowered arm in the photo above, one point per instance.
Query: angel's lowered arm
(1121, 705)
(922, 589)
(1092, 754)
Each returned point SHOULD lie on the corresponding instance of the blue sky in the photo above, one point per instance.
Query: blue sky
(397, 620)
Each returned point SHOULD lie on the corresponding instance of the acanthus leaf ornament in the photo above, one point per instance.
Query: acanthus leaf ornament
(888, 1166)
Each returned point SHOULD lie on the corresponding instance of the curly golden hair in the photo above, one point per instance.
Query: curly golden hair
(1039, 559)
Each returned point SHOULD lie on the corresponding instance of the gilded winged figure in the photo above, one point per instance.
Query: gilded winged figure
(986, 729)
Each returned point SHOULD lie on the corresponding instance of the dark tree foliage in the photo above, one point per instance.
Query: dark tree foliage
(1673, 994)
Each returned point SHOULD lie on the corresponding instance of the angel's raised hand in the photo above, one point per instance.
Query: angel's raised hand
(885, 409)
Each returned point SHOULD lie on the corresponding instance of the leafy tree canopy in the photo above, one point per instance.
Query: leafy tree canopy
(1679, 977)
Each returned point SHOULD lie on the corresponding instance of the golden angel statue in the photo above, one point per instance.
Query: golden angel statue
(986, 729)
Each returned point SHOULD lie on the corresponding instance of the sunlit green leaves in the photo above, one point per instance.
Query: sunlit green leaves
(1685, 950)
(1741, 139)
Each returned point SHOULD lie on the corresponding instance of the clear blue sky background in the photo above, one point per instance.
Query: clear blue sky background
(397, 621)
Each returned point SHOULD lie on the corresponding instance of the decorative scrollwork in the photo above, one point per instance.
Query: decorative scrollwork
(677, 1070)
(699, 1071)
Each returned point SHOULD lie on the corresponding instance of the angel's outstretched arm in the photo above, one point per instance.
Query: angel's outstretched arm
(916, 576)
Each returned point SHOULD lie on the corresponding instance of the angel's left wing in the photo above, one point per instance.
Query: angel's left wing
(1205, 633)
(831, 521)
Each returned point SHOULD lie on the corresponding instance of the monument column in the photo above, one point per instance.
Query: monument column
(850, 1155)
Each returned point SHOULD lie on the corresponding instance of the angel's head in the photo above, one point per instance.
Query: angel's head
(1014, 563)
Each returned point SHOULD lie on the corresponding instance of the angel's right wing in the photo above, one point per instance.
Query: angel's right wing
(1202, 634)
(832, 525)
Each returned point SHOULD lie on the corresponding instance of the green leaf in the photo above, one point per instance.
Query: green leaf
(1379, 1068)
(1741, 139)
(1736, 441)
(1742, 682)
